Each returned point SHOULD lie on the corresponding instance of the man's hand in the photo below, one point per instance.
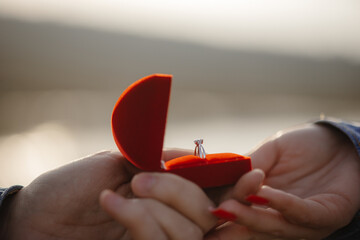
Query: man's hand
(64, 203)
(167, 207)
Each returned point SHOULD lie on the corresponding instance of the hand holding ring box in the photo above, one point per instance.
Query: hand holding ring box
(138, 126)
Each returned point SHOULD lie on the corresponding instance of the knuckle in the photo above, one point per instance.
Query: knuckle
(103, 152)
(175, 179)
(175, 184)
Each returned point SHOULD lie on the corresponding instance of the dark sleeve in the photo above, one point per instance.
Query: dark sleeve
(5, 192)
(352, 131)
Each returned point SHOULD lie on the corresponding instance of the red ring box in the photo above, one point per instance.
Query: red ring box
(138, 126)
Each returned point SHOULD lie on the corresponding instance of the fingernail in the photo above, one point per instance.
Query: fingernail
(110, 199)
(144, 182)
(222, 214)
(257, 200)
(104, 194)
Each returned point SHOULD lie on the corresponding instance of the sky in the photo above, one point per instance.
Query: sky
(312, 28)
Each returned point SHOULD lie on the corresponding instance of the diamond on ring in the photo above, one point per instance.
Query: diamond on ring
(199, 149)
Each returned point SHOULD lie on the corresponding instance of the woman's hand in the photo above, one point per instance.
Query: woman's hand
(311, 184)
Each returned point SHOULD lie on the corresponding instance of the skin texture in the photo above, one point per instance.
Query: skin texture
(162, 211)
(310, 176)
(64, 204)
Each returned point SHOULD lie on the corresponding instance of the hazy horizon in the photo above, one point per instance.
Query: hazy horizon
(60, 80)
(312, 28)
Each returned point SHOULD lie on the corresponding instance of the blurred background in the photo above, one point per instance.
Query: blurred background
(242, 71)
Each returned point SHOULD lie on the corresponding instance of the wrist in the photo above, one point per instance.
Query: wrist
(7, 207)
(5, 216)
(351, 131)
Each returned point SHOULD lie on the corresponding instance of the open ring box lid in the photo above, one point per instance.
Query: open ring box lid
(138, 126)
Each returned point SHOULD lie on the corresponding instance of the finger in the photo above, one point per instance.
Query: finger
(177, 226)
(178, 193)
(131, 215)
(305, 212)
(267, 221)
(174, 225)
(265, 156)
(232, 231)
(248, 184)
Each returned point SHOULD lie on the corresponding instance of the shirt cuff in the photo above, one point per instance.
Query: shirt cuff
(5, 192)
(351, 130)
